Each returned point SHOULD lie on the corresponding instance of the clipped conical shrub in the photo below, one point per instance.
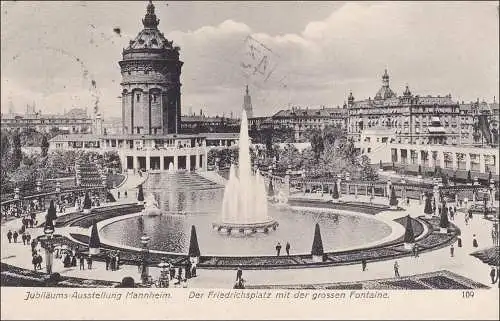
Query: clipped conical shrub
(317, 246)
(51, 212)
(444, 223)
(469, 177)
(428, 206)
(194, 248)
(393, 201)
(87, 204)
(270, 190)
(409, 235)
(335, 192)
(140, 194)
(94, 242)
(381, 167)
(420, 170)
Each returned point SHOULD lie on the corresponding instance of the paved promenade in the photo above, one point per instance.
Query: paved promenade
(463, 264)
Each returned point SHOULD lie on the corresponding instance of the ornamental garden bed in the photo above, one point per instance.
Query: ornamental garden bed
(406, 284)
(443, 282)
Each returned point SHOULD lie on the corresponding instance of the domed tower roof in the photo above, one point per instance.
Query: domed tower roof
(407, 92)
(385, 92)
(151, 39)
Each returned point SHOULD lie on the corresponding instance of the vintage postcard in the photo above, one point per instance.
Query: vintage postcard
(249, 160)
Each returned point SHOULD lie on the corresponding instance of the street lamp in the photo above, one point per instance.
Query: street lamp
(164, 274)
(145, 254)
(49, 250)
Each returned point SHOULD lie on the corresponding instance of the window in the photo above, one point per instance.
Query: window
(154, 98)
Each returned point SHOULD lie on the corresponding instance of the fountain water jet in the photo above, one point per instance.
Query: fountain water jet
(244, 206)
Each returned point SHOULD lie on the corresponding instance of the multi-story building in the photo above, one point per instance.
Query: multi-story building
(302, 119)
(151, 88)
(479, 123)
(74, 121)
(414, 119)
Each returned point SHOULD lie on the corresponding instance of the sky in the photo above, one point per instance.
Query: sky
(64, 55)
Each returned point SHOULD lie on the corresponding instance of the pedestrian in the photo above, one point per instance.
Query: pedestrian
(459, 241)
(117, 260)
(82, 262)
(15, 235)
(39, 261)
(106, 259)
(470, 214)
(466, 220)
(452, 250)
(493, 275)
(31, 222)
(34, 261)
(89, 262)
(67, 260)
(287, 248)
(278, 249)
(23, 237)
(474, 241)
(33, 245)
(73, 260)
(9, 236)
(363, 264)
(118, 193)
(408, 201)
(125, 193)
(415, 250)
(396, 269)
(239, 273)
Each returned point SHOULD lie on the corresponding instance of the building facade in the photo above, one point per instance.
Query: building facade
(300, 120)
(151, 88)
(74, 121)
(414, 119)
(479, 123)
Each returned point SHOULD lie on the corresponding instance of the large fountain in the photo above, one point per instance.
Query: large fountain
(244, 205)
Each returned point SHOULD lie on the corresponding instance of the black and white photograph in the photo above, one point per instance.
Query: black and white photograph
(210, 151)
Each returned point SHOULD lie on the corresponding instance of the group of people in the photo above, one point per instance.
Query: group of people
(112, 260)
(25, 236)
(278, 248)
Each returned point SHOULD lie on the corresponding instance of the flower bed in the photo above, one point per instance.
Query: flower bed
(406, 284)
(443, 282)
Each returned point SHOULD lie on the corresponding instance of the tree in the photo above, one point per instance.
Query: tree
(367, 172)
(95, 241)
(87, 204)
(51, 212)
(317, 143)
(444, 223)
(140, 194)
(317, 246)
(270, 190)
(393, 201)
(194, 248)
(45, 146)
(409, 234)
(335, 192)
(428, 206)
(16, 150)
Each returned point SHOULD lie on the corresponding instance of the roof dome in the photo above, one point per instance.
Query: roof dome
(385, 92)
(150, 38)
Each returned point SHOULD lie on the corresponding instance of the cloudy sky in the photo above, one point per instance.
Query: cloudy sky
(316, 51)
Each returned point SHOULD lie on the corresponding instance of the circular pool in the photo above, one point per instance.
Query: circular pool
(170, 232)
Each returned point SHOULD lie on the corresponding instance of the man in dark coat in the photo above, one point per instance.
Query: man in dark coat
(278, 249)
(9, 236)
(239, 274)
(287, 248)
(493, 275)
(474, 241)
(15, 235)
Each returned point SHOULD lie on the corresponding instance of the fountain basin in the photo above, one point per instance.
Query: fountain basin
(248, 228)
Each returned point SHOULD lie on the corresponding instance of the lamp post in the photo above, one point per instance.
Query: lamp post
(164, 274)
(49, 250)
(145, 256)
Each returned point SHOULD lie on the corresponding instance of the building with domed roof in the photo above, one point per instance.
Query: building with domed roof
(151, 88)
(412, 118)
